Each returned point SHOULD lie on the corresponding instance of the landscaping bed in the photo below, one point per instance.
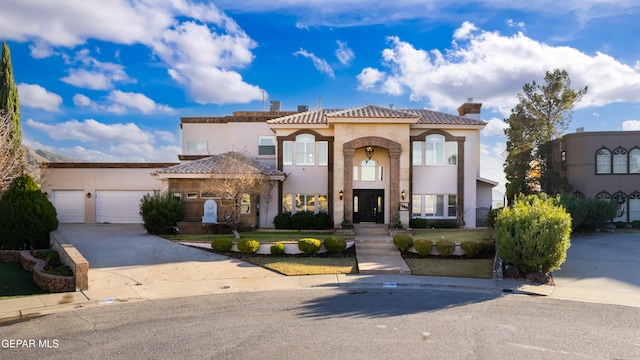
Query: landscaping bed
(48, 273)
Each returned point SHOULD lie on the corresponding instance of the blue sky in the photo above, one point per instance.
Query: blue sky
(108, 81)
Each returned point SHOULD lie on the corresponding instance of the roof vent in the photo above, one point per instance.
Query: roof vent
(469, 100)
(303, 108)
(275, 105)
(580, 130)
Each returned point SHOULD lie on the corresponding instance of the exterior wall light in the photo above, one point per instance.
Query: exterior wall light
(88, 195)
(341, 194)
(404, 194)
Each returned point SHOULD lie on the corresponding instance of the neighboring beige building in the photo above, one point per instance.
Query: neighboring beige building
(363, 164)
(606, 165)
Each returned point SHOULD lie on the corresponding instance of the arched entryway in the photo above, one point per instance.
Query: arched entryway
(370, 199)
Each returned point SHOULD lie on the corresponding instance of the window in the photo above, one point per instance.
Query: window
(621, 200)
(176, 195)
(323, 153)
(245, 204)
(209, 195)
(305, 202)
(416, 207)
(634, 161)
(368, 170)
(453, 205)
(287, 203)
(604, 196)
(578, 194)
(417, 153)
(356, 171)
(287, 153)
(305, 149)
(323, 204)
(563, 160)
(197, 145)
(603, 161)
(434, 150)
(192, 195)
(266, 145)
(620, 161)
(434, 205)
(634, 207)
(452, 152)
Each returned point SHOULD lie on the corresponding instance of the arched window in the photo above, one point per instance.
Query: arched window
(604, 196)
(621, 200)
(619, 161)
(603, 161)
(634, 207)
(305, 149)
(578, 194)
(368, 170)
(634, 161)
(434, 150)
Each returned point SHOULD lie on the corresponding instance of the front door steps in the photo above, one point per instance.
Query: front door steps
(375, 251)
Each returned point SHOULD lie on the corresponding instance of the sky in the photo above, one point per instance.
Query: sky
(107, 81)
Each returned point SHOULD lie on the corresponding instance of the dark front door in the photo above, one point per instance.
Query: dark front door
(368, 205)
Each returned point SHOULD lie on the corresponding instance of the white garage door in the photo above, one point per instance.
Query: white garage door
(119, 207)
(69, 205)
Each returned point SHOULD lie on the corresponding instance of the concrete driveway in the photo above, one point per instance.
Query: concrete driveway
(125, 256)
(601, 267)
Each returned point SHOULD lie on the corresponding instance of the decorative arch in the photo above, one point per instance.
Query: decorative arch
(394, 149)
(603, 161)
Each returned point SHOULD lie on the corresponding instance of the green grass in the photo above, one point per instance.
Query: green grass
(261, 236)
(15, 281)
(306, 265)
(455, 235)
(468, 268)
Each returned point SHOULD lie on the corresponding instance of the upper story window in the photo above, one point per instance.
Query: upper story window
(603, 161)
(634, 161)
(619, 161)
(266, 145)
(306, 150)
(196, 145)
(604, 196)
(437, 151)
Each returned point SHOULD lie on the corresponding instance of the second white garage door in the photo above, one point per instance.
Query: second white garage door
(119, 207)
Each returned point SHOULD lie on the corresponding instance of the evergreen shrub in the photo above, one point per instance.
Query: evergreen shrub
(282, 221)
(277, 249)
(160, 212)
(248, 246)
(403, 242)
(445, 247)
(335, 244)
(302, 220)
(419, 223)
(533, 234)
(423, 247)
(321, 221)
(26, 216)
(471, 248)
(309, 246)
(223, 244)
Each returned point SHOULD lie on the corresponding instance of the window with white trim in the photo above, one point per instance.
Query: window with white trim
(315, 203)
(434, 151)
(287, 153)
(266, 145)
(603, 161)
(437, 151)
(634, 161)
(323, 153)
(245, 204)
(434, 206)
(634, 207)
(196, 145)
(619, 161)
(417, 153)
(305, 149)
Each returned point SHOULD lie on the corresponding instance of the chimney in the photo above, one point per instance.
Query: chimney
(470, 109)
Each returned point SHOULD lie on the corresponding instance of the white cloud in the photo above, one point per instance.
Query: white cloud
(320, 64)
(464, 31)
(344, 53)
(492, 158)
(119, 102)
(496, 67)
(33, 95)
(631, 125)
(91, 130)
(197, 42)
(512, 23)
(495, 127)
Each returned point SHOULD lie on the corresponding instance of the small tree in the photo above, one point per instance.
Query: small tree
(12, 162)
(160, 212)
(533, 234)
(26, 216)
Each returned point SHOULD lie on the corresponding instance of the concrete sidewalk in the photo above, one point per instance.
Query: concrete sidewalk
(153, 268)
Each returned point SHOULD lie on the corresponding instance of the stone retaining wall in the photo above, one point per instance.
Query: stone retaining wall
(9, 255)
(71, 257)
(48, 282)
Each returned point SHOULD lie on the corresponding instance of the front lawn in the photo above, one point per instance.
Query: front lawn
(16, 281)
(261, 236)
(305, 265)
(468, 268)
(455, 235)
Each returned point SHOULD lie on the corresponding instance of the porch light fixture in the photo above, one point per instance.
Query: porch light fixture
(341, 194)
(369, 150)
(404, 194)
(88, 195)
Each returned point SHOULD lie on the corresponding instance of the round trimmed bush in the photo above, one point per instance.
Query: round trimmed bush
(419, 223)
(321, 221)
(335, 244)
(277, 249)
(222, 244)
(471, 248)
(248, 246)
(446, 247)
(423, 247)
(309, 246)
(403, 242)
(302, 220)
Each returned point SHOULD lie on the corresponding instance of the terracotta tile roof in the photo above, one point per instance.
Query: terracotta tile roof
(371, 111)
(224, 164)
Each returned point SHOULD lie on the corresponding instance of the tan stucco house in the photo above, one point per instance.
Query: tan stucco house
(363, 164)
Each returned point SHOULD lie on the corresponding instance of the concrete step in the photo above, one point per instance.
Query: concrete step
(380, 246)
(373, 264)
(374, 241)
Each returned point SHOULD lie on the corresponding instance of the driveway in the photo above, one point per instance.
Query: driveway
(601, 267)
(125, 256)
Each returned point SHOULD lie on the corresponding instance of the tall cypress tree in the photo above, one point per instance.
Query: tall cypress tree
(9, 97)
